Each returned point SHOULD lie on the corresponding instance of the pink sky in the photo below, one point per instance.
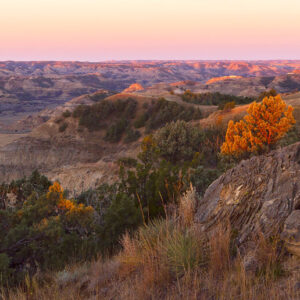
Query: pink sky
(95, 30)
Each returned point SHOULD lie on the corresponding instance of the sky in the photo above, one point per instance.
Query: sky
(99, 30)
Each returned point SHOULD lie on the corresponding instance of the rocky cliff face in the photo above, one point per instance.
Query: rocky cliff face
(260, 195)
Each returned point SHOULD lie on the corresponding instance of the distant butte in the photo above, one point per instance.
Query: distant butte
(134, 88)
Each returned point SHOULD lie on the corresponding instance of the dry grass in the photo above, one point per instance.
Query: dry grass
(187, 206)
(173, 259)
(220, 251)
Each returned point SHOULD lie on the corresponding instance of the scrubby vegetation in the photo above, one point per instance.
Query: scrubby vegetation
(63, 127)
(66, 114)
(172, 259)
(131, 135)
(119, 117)
(293, 135)
(136, 238)
(161, 112)
(40, 229)
(46, 230)
(269, 93)
(215, 98)
(174, 156)
(95, 117)
(116, 130)
(228, 106)
(99, 96)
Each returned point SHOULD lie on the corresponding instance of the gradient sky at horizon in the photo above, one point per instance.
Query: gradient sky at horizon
(97, 30)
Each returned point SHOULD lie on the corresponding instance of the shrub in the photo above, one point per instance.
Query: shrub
(293, 135)
(270, 93)
(114, 132)
(150, 236)
(59, 120)
(228, 106)
(214, 98)
(185, 252)
(130, 110)
(66, 114)
(43, 230)
(132, 136)
(98, 96)
(202, 177)
(123, 215)
(141, 120)
(187, 206)
(178, 141)
(23, 188)
(97, 116)
(5, 270)
(164, 242)
(162, 112)
(100, 198)
(128, 162)
(63, 127)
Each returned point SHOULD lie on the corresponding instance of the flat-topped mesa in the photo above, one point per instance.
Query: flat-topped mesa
(257, 196)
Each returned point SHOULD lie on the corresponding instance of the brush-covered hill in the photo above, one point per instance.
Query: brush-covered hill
(82, 140)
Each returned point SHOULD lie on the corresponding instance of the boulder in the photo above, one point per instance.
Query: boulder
(257, 196)
(291, 232)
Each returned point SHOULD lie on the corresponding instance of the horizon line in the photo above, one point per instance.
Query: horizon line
(147, 60)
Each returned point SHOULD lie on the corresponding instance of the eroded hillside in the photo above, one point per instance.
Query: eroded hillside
(29, 87)
(83, 140)
(82, 151)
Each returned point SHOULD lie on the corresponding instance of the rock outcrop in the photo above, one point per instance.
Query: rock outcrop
(260, 195)
(291, 232)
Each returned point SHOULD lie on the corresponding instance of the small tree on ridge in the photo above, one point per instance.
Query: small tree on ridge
(262, 127)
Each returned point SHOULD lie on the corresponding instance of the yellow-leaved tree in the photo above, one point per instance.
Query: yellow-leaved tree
(263, 126)
(67, 210)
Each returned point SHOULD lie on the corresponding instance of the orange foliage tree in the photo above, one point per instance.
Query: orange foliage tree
(70, 212)
(263, 126)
